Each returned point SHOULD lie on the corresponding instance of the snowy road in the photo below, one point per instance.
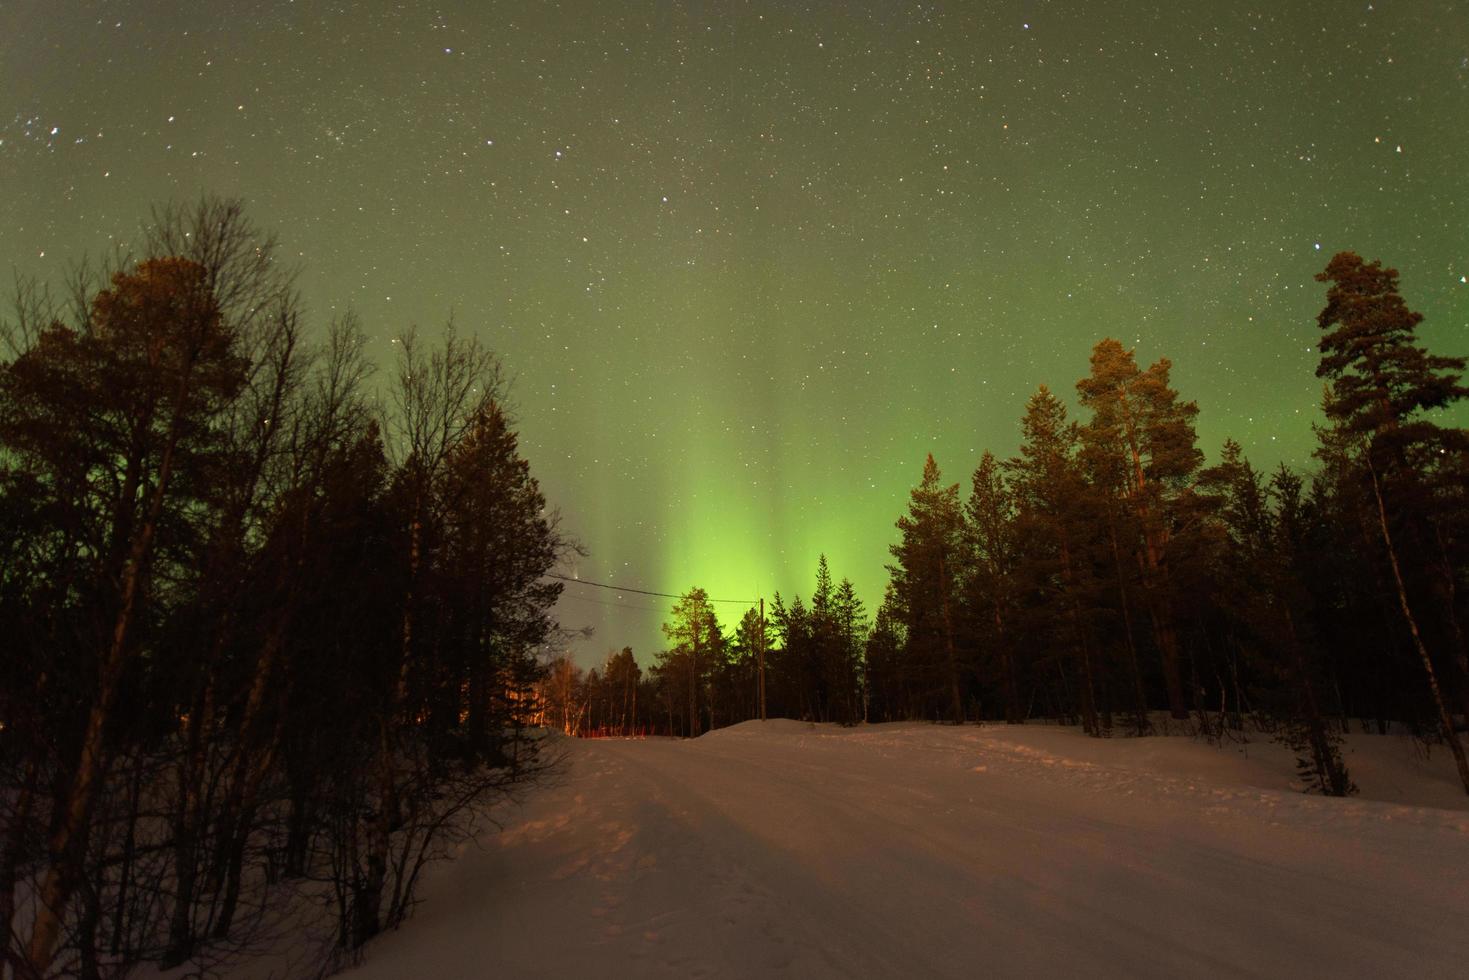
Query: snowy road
(915, 851)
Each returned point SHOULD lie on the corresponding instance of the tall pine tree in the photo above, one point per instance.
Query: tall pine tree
(1383, 387)
(1142, 437)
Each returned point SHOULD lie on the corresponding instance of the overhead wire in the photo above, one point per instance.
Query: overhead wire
(618, 588)
(615, 605)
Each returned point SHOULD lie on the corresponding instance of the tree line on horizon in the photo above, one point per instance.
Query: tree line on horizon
(1105, 575)
(267, 641)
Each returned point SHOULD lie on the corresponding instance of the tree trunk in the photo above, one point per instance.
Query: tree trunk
(1333, 775)
(186, 872)
(68, 844)
(187, 823)
(1158, 607)
(1007, 668)
(1450, 591)
(234, 867)
(1140, 716)
(90, 968)
(121, 942)
(1073, 610)
(951, 659)
(1167, 639)
(693, 686)
(1088, 691)
(298, 832)
(12, 847)
(367, 895)
(1445, 719)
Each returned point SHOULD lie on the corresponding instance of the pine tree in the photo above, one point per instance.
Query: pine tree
(794, 665)
(1142, 442)
(1383, 384)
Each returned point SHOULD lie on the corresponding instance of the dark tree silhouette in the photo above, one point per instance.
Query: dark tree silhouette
(924, 586)
(1383, 384)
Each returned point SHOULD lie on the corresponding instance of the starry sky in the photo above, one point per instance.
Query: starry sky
(750, 261)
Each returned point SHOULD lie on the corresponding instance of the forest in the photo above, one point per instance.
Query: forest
(273, 624)
(1106, 577)
(266, 633)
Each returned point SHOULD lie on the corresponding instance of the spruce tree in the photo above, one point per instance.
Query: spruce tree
(887, 691)
(751, 643)
(989, 517)
(498, 544)
(1261, 586)
(924, 584)
(1056, 526)
(844, 676)
(693, 629)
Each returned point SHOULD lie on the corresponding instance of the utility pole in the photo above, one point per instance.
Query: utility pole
(762, 659)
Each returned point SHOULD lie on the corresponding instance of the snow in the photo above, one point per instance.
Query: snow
(782, 849)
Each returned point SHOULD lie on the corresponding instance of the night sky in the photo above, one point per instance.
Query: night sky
(749, 262)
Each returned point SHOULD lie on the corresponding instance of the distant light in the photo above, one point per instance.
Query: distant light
(1318, 246)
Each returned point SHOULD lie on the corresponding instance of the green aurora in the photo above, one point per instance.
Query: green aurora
(750, 262)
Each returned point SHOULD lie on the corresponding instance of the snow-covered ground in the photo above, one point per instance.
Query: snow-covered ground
(785, 849)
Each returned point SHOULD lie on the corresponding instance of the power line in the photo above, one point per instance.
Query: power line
(616, 605)
(616, 588)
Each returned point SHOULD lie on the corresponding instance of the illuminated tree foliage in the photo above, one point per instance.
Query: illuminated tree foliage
(1140, 444)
